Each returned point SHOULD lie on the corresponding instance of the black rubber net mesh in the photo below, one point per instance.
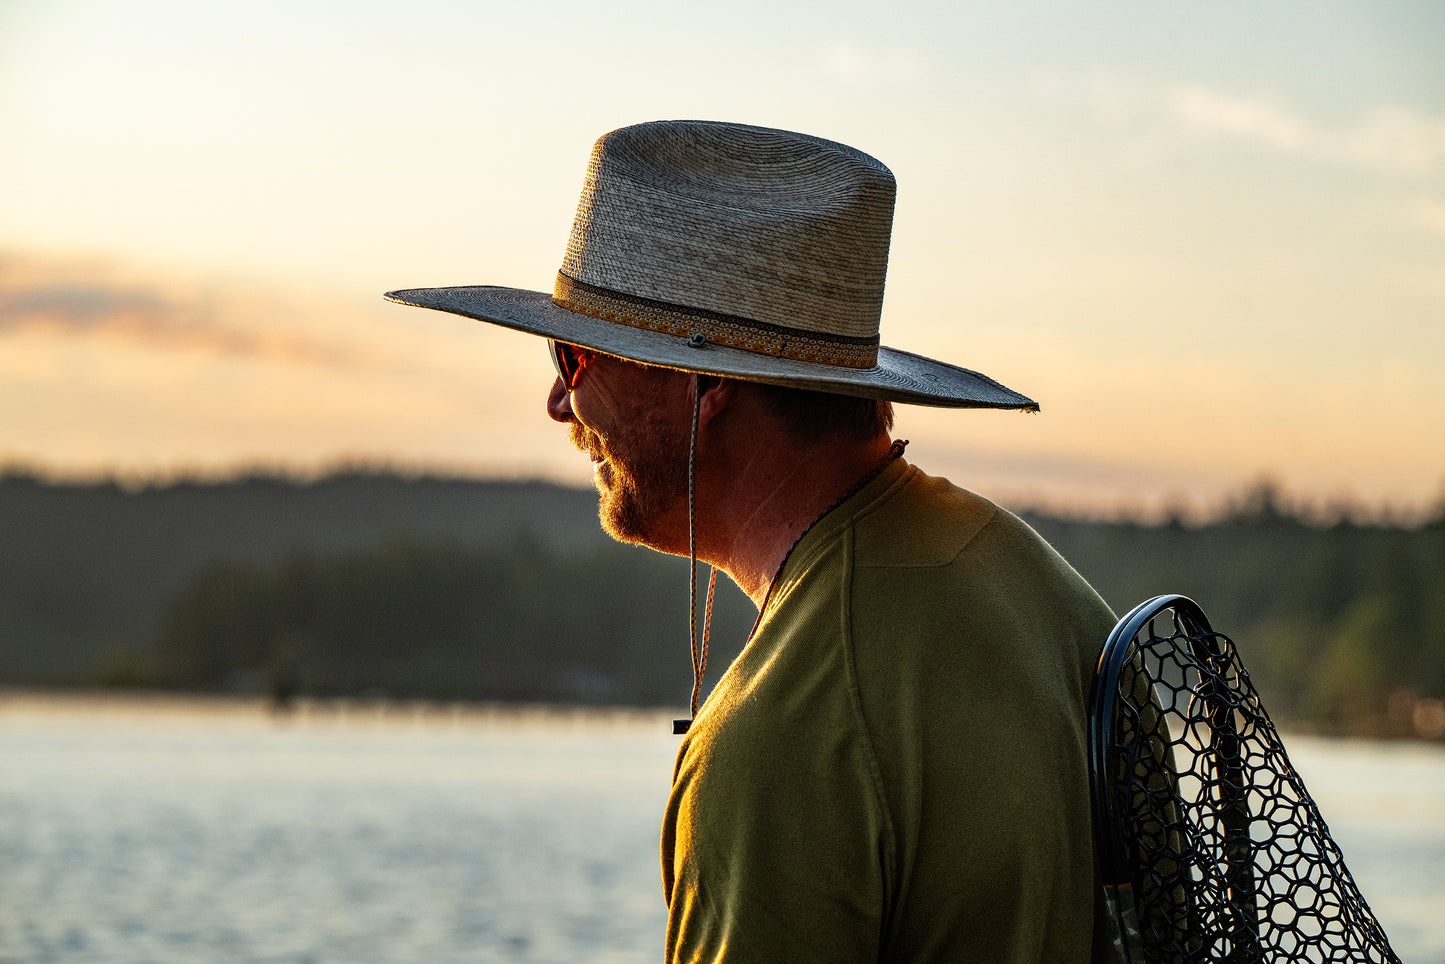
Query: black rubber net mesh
(1226, 855)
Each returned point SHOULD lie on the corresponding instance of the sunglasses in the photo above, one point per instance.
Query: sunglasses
(569, 360)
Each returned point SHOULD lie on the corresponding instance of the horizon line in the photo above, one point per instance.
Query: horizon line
(1262, 497)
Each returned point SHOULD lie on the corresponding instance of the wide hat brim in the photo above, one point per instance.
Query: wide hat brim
(898, 376)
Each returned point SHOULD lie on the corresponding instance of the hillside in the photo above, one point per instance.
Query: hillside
(461, 589)
(86, 570)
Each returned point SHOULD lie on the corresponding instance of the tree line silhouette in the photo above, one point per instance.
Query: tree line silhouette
(382, 584)
(437, 620)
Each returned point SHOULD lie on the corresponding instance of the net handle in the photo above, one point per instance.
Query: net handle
(1113, 865)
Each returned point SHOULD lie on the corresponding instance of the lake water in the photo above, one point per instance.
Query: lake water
(170, 831)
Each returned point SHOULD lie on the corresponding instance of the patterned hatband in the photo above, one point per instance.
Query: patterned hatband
(755, 336)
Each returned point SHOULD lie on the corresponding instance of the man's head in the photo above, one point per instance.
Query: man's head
(635, 421)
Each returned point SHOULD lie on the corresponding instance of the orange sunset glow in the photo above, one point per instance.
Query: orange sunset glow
(1211, 242)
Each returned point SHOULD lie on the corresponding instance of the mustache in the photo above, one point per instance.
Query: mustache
(587, 441)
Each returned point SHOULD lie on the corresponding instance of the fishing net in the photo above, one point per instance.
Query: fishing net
(1210, 848)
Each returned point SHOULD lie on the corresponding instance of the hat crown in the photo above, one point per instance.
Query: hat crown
(782, 229)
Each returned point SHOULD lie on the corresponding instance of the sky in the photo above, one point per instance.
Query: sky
(1209, 239)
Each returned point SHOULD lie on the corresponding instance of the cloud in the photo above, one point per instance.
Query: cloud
(1398, 138)
(74, 305)
(79, 301)
(1389, 139)
(852, 63)
(1257, 119)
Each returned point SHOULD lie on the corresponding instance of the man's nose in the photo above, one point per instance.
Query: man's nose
(559, 403)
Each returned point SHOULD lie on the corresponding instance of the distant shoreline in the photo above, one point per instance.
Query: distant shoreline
(154, 704)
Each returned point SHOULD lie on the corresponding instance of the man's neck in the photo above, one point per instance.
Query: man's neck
(747, 529)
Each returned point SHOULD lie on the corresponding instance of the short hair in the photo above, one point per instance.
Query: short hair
(809, 415)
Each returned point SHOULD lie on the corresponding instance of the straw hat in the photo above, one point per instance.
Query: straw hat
(731, 250)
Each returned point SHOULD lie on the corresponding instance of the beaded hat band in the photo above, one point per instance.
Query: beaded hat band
(716, 328)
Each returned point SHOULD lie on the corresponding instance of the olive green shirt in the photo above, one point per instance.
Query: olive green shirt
(894, 768)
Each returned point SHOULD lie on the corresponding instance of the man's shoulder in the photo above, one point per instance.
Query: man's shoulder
(980, 555)
(925, 520)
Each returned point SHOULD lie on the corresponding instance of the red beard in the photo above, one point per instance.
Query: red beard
(641, 478)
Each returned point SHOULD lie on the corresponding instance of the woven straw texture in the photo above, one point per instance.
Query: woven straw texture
(782, 229)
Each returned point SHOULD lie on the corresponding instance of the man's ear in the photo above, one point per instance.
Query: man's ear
(718, 394)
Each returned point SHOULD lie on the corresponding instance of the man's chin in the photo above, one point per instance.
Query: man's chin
(619, 519)
(626, 521)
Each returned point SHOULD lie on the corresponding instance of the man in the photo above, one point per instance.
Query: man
(894, 766)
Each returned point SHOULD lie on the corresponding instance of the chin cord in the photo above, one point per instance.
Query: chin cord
(699, 653)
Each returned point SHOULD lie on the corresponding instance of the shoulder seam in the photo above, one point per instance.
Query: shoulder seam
(994, 516)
